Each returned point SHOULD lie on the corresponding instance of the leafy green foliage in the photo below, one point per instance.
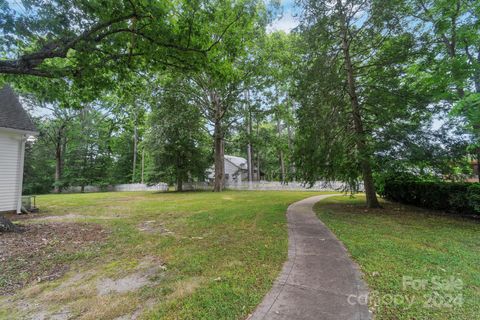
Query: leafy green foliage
(39, 168)
(410, 70)
(285, 95)
(460, 198)
(89, 147)
(88, 159)
(468, 109)
(95, 39)
(176, 140)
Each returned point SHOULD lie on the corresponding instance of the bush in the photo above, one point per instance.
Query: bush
(474, 196)
(462, 198)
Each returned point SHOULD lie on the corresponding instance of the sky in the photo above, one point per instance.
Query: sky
(288, 21)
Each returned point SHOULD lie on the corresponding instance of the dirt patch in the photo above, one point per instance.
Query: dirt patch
(186, 287)
(65, 217)
(37, 252)
(153, 226)
(63, 314)
(148, 272)
(82, 295)
(132, 282)
(139, 311)
(62, 217)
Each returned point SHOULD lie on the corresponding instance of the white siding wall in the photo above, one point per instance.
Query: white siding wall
(10, 144)
(230, 169)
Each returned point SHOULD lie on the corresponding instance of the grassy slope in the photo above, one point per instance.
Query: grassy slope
(402, 241)
(225, 252)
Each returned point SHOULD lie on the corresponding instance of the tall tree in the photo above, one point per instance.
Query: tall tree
(280, 56)
(449, 30)
(177, 140)
(344, 23)
(354, 82)
(87, 156)
(59, 108)
(469, 110)
(55, 130)
(228, 68)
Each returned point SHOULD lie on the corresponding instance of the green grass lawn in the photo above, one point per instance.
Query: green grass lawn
(441, 252)
(219, 254)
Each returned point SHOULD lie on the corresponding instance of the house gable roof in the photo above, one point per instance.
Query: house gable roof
(12, 114)
(237, 161)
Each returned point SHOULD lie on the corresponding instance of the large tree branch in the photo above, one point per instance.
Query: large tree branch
(220, 38)
(28, 64)
(16, 68)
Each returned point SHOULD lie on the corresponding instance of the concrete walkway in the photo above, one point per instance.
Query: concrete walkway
(319, 280)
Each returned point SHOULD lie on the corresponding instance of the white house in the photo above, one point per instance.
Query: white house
(236, 170)
(15, 127)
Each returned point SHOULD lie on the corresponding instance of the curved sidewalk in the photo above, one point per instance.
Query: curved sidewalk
(319, 281)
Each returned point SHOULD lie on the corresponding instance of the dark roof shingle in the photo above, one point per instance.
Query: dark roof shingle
(12, 114)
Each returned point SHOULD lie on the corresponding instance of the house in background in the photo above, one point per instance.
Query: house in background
(15, 127)
(236, 170)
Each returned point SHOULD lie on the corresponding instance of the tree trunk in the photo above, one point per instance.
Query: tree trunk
(59, 146)
(451, 46)
(219, 147)
(258, 153)
(85, 176)
(282, 166)
(249, 162)
(143, 164)
(360, 140)
(452, 52)
(58, 170)
(249, 143)
(281, 159)
(219, 181)
(179, 184)
(135, 138)
(258, 166)
(292, 169)
(476, 75)
(478, 164)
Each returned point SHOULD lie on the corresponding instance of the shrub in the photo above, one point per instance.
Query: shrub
(462, 198)
(474, 196)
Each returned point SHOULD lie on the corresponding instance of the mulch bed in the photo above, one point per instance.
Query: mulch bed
(39, 252)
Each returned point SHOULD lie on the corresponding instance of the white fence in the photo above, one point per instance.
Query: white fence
(196, 186)
(159, 187)
(274, 185)
(297, 186)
